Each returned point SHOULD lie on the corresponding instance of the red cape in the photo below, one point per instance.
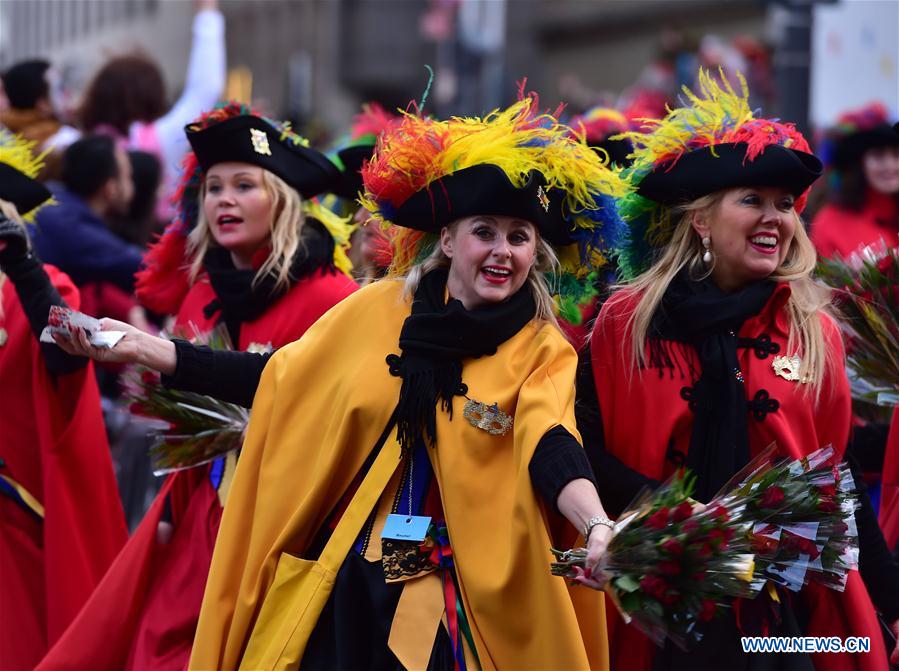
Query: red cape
(144, 613)
(53, 444)
(889, 492)
(836, 230)
(627, 398)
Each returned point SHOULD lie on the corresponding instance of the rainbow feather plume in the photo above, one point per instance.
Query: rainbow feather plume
(717, 114)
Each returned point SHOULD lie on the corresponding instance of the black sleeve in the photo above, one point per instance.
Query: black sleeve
(616, 483)
(36, 294)
(227, 376)
(867, 446)
(558, 460)
(877, 566)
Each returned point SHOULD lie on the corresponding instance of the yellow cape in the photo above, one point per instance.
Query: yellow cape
(321, 406)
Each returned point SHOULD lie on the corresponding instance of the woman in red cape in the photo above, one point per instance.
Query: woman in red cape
(261, 259)
(721, 338)
(61, 522)
(863, 153)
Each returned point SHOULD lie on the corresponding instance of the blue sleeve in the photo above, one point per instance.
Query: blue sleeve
(88, 253)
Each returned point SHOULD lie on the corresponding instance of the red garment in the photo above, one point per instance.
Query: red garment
(628, 398)
(144, 614)
(105, 298)
(836, 230)
(889, 487)
(53, 444)
(578, 334)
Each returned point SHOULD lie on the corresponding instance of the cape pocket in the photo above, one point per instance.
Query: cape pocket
(289, 613)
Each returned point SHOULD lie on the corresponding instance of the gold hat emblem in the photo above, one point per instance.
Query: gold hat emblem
(487, 417)
(542, 198)
(260, 142)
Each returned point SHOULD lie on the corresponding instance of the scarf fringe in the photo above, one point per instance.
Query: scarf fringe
(423, 387)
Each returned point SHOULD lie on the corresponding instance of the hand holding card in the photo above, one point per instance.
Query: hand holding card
(63, 321)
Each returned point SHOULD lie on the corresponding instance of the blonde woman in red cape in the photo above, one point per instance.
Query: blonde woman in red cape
(253, 252)
(721, 337)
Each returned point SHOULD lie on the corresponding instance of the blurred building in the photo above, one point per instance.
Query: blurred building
(316, 60)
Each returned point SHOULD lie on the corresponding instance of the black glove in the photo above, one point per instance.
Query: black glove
(16, 239)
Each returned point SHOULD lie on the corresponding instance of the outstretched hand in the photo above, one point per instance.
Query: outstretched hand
(127, 350)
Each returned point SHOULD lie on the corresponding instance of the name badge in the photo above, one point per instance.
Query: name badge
(406, 528)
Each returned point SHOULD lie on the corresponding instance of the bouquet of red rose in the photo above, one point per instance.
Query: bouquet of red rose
(193, 429)
(866, 288)
(670, 569)
(802, 516)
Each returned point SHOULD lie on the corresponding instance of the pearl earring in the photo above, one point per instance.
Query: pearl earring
(707, 244)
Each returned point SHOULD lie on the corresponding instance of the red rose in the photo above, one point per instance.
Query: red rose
(772, 498)
(718, 538)
(682, 512)
(706, 550)
(707, 611)
(691, 525)
(827, 490)
(885, 264)
(653, 586)
(673, 546)
(669, 568)
(659, 519)
(827, 506)
(719, 512)
(808, 547)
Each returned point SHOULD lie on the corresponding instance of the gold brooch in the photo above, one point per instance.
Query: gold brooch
(260, 142)
(542, 198)
(487, 417)
(787, 367)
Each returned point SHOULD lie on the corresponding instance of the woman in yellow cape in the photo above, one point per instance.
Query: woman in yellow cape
(411, 459)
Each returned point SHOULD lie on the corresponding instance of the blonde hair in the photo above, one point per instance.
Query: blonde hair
(807, 305)
(286, 232)
(546, 262)
(10, 212)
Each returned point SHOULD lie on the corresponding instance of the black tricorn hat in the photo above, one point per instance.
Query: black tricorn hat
(21, 190)
(849, 149)
(723, 166)
(350, 183)
(251, 139)
(485, 189)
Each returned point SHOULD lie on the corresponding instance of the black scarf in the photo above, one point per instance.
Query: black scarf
(700, 315)
(240, 300)
(434, 340)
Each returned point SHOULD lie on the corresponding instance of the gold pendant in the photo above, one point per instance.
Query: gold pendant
(487, 417)
(787, 367)
(4, 336)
